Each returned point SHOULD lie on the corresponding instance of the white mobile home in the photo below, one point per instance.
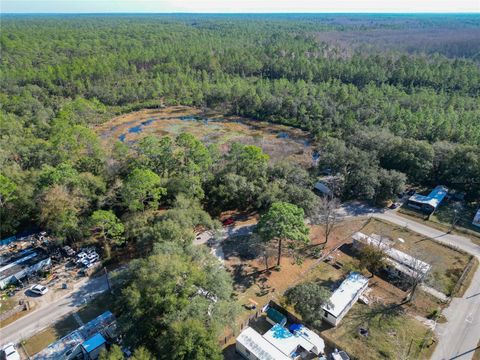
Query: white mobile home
(22, 264)
(344, 298)
(400, 261)
(294, 345)
(251, 345)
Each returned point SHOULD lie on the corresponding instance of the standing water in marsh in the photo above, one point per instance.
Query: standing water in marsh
(280, 142)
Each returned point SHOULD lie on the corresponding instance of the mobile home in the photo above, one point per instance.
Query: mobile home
(344, 298)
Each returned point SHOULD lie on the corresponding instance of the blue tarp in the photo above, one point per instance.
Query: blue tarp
(8, 240)
(295, 327)
(94, 342)
(19, 236)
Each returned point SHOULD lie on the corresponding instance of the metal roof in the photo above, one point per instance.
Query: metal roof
(70, 342)
(288, 343)
(343, 296)
(259, 346)
(400, 260)
(433, 199)
(23, 260)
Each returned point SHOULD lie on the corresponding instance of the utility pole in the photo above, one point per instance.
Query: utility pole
(454, 220)
(108, 280)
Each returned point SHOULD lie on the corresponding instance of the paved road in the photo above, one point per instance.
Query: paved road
(458, 337)
(41, 318)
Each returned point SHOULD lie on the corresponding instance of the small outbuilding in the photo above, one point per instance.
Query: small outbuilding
(94, 345)
(430, 202)
(344, 298)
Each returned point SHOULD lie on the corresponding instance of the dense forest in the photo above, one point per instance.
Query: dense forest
(381, 115)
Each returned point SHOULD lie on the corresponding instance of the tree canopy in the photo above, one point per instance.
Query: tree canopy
(283, 222)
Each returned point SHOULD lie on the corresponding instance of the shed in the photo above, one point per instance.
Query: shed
(276, 317)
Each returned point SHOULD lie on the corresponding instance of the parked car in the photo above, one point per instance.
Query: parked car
(87, 263)
(9, 352)
(394, 206)
(81, 255)
(68, 251)
(39, 289)
(228, 222)
(92, 257)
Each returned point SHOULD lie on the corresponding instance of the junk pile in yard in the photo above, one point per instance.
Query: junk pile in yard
(87, 257)
(36, 257)
(22, 257)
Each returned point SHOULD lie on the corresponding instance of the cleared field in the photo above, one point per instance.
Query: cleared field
(280, 142)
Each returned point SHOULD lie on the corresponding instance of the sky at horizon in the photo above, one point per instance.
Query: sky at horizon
(240, 6)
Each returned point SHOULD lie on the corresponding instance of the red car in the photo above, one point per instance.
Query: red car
(228, 221)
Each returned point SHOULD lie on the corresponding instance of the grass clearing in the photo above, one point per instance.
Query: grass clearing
(6, 303)
(49, 335)
(447, 263)
(18, 315)
(391, 334)
(96, 307)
